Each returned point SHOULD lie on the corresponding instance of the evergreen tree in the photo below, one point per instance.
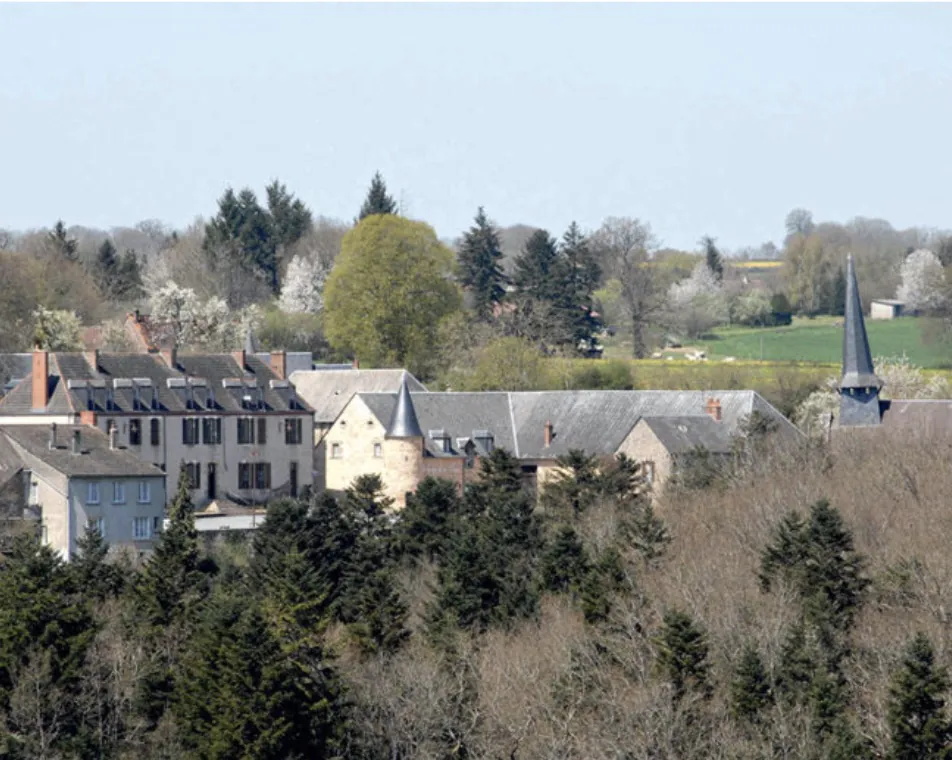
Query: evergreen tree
(682, 654)
(290, 218)
(380, 623)
(480, 258)
(240, 695)
(647, 533)
(750, 689)
(578, 279)
(426, 518)
(536, 268)
(378, 201)
(918, 724)
(623, 481)
(95, 576)
(712, 257)
(129, 278)
(839, 293)
(107, 269)
(575, 486)
(66, 246)
(565, 563)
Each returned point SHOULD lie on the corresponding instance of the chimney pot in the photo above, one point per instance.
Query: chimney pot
(112, 439)
(547, 434)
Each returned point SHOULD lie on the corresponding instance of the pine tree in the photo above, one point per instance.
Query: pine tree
(480, 259)
(377, 201)
(536, 268)
(839, 293)
(380, 623)
(66, 246)
(129, 278)
(918, 724)
(647, 533)
(565, 564)
(712, 257)
(107, 269)
(95, 575)
(682, 654)
(579, 276)
(750, 689)
(425, 520)
(290, 218)
(575, 486)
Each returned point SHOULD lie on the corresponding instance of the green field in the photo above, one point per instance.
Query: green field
(816, 340)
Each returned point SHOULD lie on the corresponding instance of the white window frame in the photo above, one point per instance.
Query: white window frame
(337, 451)
(378, 450)
(136, 522)
(145, 492)
(118, 492)
(92, 493)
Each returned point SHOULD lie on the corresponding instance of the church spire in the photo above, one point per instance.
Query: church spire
(859, 385)
(403, 422)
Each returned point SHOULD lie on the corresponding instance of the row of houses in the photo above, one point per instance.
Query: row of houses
(98, 438)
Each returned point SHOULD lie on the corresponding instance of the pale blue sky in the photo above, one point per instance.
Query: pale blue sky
(697, 118)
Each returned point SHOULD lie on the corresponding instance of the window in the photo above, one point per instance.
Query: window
(262, 475)
(244, 475)
(293, 479)
(189, 431)
(99, 525)
(145, 495)
(118, 492)
(92, 493)
(193, 471)
(378, 450)
(211, 430)
(336, 451)
(156, 524)
(648, 468)
(141, 528)
(154, 431)
(293, 431)
(246, 430)
(262, 430)
(135, 432)
(34, 497)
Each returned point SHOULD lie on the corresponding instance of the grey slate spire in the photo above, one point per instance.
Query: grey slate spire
(251, 343)
(403, 422)
(859, 386)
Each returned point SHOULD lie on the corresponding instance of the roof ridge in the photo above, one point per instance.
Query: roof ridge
(512, 421)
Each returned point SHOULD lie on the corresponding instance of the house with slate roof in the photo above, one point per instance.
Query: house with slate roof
(68, 477)
(407, 436)
(233, 420)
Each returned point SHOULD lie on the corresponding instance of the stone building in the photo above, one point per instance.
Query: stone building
(407, 436)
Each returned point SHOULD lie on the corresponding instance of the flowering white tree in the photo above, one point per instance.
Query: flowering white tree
(697, 303)
(923, 281)
(209, 324)
(303, 289)
(57, 330)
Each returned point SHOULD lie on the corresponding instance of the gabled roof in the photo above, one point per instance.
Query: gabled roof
(120, 372)
(858, 369)
(679, 435)
(922, 418)
(329, 390)
(594, 421)
(32, 444)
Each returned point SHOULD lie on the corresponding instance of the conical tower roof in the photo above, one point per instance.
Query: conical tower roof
(857, 361)
(404, 423)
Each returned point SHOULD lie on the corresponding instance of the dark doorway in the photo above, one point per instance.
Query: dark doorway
(212, 481)
(294, 480)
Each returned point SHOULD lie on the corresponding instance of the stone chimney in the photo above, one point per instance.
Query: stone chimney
(279, 364)
(52, 436)
(77, 442)
(112, 438)
(713, 408)
(547, 433)
(92, 359)
(41, 380)
(239, 357)
(170, 356)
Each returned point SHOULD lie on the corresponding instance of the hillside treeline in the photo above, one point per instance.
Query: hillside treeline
(750, 612)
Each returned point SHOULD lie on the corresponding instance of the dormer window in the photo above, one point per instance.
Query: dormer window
(441, 440)
(483, 439)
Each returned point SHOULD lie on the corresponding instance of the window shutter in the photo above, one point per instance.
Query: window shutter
(262, 430)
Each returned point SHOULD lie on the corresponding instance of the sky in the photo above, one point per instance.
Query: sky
(699, 119)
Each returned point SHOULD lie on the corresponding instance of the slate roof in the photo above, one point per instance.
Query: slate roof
(95, 459)
(403, 422)
(679, 435)
(328, 391)
(14, 367)
(858, 369)
(595, 421)
(922, 418)
(214, 381)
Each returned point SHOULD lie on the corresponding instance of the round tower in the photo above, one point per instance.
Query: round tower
(403, 449)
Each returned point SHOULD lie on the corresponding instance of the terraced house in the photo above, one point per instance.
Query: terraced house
(233, 421)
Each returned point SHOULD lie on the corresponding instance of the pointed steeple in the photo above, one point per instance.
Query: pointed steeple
(403, 422)
(858, 369)
(251, 343)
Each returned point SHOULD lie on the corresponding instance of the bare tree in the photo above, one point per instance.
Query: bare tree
(624, 246)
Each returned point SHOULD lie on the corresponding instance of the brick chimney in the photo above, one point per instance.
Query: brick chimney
(170, 356)
(41, 380)
(279, 364)
(547, 434)
(239, 357)
(92, 359)
(713, 408)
